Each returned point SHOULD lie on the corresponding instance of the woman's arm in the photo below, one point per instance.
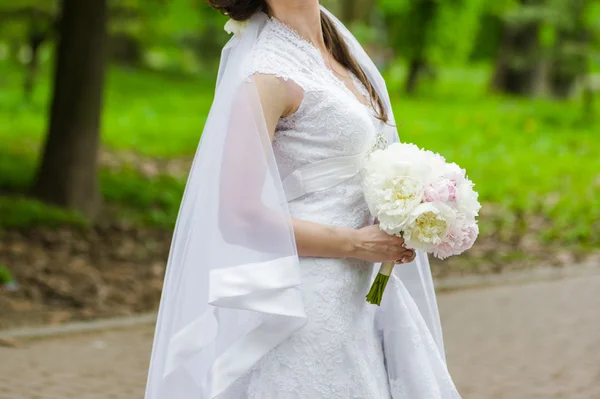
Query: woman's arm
(278, 99)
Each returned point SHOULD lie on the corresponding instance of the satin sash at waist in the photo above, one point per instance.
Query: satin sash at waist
(321, 175)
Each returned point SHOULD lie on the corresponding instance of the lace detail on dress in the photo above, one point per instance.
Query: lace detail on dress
(337, 355)
(282, 52)
(330, 122)
(316, 57)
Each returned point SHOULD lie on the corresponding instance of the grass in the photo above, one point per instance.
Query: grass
(137, 198)
(529, 157)
(153, 114)
(19, 211)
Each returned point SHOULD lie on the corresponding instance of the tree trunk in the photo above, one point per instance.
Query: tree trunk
(562, 84)
(348, 8)
(356, 10)
(415, 68)
(40, 30)
(125, 50)
(422, 17)
(67, 175)
(36, 39)
(569, 66)
(517, 64)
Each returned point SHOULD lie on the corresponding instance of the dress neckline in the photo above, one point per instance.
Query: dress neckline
(295, 37)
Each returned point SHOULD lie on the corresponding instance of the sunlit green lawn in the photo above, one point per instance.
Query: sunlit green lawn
(153, 114)
(530, 156)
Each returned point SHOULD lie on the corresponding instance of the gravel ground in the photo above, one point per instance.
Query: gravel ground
(527, 341)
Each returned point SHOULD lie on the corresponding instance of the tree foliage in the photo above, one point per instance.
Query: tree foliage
(428, 33)
(535, 46)
(553, 41)
(442, 30)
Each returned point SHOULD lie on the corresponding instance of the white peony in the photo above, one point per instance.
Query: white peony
(428, 225)
(410, 153)
(236, 28)
(454, 172)
(393, 187)
(395, 201)
(467, 199)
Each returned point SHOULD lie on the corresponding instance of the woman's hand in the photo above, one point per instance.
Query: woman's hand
(373, 245)
(369, 243)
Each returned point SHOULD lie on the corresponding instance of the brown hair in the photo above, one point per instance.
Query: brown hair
(241, 10)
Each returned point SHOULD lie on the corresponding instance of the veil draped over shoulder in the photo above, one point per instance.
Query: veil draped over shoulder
(232, 286)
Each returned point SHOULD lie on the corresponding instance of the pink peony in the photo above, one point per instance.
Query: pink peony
(461, 238)
(443, 190)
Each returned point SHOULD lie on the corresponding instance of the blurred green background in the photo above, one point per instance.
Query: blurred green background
(505, 88)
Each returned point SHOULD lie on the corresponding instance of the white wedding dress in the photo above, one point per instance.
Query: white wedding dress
(340, 353)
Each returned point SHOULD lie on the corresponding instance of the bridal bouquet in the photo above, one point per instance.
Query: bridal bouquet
(419, 196)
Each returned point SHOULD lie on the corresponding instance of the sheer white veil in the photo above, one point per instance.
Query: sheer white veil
(231, 290)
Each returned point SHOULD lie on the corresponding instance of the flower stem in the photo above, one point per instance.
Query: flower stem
(376, 293)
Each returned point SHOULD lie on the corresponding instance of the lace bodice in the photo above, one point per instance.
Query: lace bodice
(330, 122)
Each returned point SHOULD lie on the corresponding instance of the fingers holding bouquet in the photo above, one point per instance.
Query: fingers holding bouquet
(408, 257)
(374, 245)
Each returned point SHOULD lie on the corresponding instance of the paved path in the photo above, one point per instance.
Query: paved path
(531, 341)
(535, 341)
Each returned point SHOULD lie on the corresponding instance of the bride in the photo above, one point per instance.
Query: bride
(275, 248)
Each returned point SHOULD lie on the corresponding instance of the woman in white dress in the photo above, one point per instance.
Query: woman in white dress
(275, 247)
